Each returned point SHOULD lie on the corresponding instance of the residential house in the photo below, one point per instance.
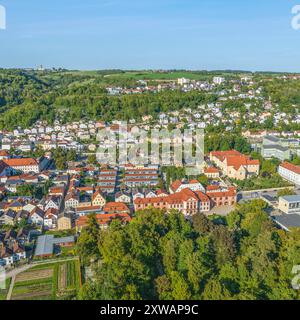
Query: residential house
(98, 200)
(65, 221)
(50, 219)
(122, 197)
(8, 218)
(36, 216)
(71, 200)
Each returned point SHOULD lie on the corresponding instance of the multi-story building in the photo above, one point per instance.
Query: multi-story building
(186, 201)
(220, 197)
(25, 165)
(71, 200)
(193, 185)
(273, 147)
(144, 176)
(65, 221)
(218, 80)
(290, 172)
(234, 164)
(107, 180)
(289, 204)
(98, 199)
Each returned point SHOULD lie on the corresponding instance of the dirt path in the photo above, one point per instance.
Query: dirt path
(11, 287)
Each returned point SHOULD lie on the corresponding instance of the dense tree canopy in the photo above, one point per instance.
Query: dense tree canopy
(163, 256)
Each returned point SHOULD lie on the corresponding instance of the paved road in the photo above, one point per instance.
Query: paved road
(257, 194)
(12, 283)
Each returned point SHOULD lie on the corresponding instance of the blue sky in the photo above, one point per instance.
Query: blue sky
(144, 34)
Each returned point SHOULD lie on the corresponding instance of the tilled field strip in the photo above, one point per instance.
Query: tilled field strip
(62, 282)
(34, 275)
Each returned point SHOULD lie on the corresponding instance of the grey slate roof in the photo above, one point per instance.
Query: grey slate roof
(45, 244)
(294, 198)
(275, 146)
(272, 138)
(287, 221)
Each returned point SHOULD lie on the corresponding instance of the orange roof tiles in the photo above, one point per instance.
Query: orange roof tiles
(21, 162)
(175, 198)
(115, 206)
(175, 185)
(291, 167)
(234, 158)
(211, 170)
(104, 219)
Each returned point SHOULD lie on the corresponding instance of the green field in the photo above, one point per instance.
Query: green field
(55, 281)
(3, 292)
(147, 75)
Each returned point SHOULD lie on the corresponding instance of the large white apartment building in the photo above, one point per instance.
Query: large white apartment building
(290, 172)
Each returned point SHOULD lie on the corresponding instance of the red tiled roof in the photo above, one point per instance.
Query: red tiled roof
(103, 219)
(221, 155)
(115, 206)
(159, 192)
(231, 192)
(175, 185)
(184, 195)
(21, 162)
(234, 158)
(96, 194)
(239, 161)
(57, 190)
(85, 188)
(211, 170)
(291, 167)
(212, 188)
(4, 153)
(89, 208)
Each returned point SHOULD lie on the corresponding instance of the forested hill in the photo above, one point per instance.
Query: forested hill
(27, 95)
(242, 256)
(16, 87)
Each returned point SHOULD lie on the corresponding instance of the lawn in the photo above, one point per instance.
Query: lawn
(258, 183)
(54, 281)
(3, 292)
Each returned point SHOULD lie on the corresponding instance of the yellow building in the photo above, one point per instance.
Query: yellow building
(98, 199)
(65, 222)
